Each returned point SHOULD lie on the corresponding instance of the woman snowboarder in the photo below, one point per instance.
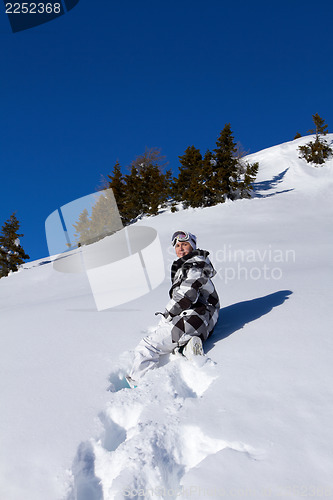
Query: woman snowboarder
(191, 313)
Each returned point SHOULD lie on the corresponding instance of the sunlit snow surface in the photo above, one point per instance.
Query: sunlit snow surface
(250, 420)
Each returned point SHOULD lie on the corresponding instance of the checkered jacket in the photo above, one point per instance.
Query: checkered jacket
(194, 305)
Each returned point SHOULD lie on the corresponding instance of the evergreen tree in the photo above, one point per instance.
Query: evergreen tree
(117, 184)
(317, 151)
(225, 170)
(320, 126)
(208, 174)
(154, 188)
(202, 191)
(105, 218)
(82, 228)
(147, 187)
(221, 174)
(12, 254)
(232, 176)
(185, 187)
(247, 174)
(133, 204)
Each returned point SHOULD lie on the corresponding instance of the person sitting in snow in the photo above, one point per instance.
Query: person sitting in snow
(191, 313)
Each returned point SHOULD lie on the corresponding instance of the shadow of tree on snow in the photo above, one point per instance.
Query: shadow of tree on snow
(258, 187)
(234, 317)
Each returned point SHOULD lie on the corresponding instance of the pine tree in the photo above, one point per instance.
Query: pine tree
(117, 184)
(232, 176)
(133, 204)
(201, 190)
(152, 180)
(317, 151)
(247, 175)
(208, 173)
(147, 187)
(321, 127)
(225, 167)
(12, 254)
(82, 228)
(221, 174)
(105, 218)
(185, 187)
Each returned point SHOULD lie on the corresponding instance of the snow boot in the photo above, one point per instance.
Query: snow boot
(193, 348)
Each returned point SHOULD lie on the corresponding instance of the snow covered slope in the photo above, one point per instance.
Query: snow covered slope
(252, 420)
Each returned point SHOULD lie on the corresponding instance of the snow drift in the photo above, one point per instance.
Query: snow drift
(252, 419)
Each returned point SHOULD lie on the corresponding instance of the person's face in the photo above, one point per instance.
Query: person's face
(182, 248)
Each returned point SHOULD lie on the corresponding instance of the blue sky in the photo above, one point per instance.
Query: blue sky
(110, 78)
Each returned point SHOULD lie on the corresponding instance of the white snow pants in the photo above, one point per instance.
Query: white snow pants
(150, 348)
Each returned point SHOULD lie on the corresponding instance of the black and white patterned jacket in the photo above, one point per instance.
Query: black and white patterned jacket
(194, 304)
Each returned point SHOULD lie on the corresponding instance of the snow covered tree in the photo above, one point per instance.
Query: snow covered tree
(317, 151)
(247, 173)
(12, 254)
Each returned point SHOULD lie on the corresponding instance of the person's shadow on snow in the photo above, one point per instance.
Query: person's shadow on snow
(234, 317)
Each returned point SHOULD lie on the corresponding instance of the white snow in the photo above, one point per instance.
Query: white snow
(250, 420)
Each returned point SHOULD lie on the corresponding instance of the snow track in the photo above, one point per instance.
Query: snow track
(150, 438)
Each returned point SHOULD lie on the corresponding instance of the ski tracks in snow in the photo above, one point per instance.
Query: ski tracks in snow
(149, 436)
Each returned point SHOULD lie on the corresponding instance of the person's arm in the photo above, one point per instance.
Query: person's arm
(187, 294)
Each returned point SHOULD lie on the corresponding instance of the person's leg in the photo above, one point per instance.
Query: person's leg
(149, 350)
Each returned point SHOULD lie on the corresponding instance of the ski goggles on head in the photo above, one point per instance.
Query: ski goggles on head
(179, 236)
